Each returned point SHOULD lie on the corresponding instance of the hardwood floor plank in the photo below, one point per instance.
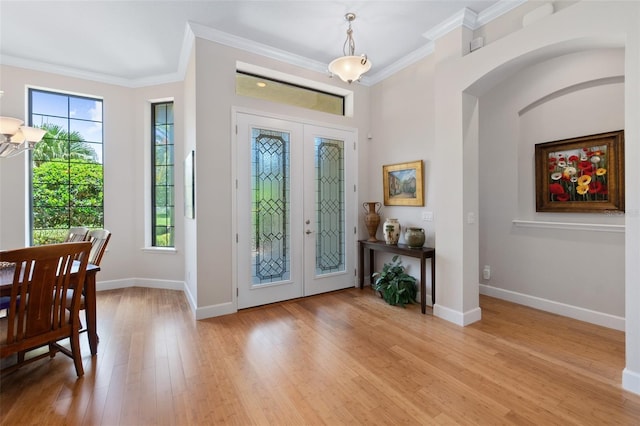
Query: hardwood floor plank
(339, 358)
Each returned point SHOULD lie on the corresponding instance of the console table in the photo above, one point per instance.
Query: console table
(422, 253)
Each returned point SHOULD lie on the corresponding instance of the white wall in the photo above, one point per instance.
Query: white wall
(126, 136)
(581, 271)
(215, 67)
(402, 127)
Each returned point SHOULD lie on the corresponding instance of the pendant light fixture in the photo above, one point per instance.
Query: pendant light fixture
(349, 67)
(16, 138)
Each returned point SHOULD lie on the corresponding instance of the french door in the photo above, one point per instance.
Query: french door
(295, 209)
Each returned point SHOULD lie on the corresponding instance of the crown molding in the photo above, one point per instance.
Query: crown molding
(91, 76)
(472, 20)
(65, 71)
(251, 46)
(496, 11)
(188, 41)
(465, 18)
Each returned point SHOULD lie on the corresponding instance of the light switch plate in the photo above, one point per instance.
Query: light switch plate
(471, 217)
(427, 216)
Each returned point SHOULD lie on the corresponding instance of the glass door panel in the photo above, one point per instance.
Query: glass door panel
(270, 213)
(330, 206)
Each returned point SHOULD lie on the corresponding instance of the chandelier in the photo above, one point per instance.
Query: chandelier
(16, 138)
(349, 67)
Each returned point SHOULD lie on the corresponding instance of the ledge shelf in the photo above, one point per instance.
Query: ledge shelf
(568, 225)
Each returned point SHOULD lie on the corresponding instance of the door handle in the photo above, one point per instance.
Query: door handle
(308, 232)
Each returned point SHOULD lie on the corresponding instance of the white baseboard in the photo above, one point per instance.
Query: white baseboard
(631, 381)
(190, 299)
(199, 313)
(456, 317)
(575, 312)
(140, 282)
(114, 284)
(216, 310)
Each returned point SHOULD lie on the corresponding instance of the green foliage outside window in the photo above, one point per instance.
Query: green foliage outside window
(59, 204)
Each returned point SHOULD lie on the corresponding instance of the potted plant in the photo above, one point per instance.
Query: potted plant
(394, 285)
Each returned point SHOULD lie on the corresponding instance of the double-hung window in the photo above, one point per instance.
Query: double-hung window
(162, 175)
(67, 182)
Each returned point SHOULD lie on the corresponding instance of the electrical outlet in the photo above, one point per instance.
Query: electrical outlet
(486, 272)
(427, 216)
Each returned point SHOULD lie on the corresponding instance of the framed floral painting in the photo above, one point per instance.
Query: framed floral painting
(584, 174)
(402, 184)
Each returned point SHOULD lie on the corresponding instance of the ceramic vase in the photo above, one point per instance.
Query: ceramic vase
(414, 237)
(372, 218)
(391, 230)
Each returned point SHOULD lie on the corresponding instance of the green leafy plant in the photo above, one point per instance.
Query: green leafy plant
(394, 285)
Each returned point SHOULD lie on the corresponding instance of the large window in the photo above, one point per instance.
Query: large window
(66, 166)
(162, 166)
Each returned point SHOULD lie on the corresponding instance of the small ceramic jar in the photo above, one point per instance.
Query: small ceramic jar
(414, 237)
(391, 229)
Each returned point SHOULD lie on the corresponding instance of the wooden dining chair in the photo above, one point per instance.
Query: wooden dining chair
(5, 268)
(39, 313)
(99, 239)
(77, 234)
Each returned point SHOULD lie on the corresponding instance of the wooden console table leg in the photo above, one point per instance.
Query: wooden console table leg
(361, 265)
(433, 280)
(423, 286)
(372, 265)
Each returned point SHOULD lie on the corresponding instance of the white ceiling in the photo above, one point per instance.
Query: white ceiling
(133, 42)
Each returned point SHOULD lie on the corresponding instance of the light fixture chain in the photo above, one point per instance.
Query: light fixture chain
(349, 44)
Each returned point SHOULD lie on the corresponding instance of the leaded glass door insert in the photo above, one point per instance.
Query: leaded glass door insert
(330, 226)
(295, 209)
(270, 206)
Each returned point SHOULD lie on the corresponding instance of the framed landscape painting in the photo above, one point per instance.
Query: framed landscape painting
(402, 184)
(583, 174)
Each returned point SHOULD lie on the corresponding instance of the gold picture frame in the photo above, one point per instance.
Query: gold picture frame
(402, 184)
(583, 174)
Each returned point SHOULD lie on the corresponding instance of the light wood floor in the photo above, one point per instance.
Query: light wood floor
(339, 358)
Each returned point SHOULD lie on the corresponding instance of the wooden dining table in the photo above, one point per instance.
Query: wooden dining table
(6, 281)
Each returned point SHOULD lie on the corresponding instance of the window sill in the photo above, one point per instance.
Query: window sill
(161, 250)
